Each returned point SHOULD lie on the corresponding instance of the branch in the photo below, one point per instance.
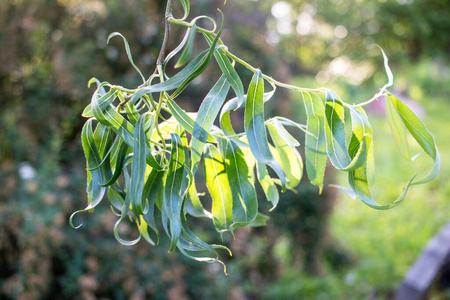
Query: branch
(162, 52)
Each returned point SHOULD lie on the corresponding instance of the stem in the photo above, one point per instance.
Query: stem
(241, 61)
(268, 78)
(162, 52)
(382, 92)
(162, 97)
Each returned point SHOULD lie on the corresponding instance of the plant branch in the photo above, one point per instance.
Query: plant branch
(162, 52)
(241, 61)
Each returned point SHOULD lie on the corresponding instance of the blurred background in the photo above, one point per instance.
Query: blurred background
(315, 246)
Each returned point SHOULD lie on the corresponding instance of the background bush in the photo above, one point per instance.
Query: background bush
(48, 51)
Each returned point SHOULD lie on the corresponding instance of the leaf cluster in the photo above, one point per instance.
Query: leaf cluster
(145, 162)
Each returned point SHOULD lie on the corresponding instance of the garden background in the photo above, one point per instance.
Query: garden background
(314, 247)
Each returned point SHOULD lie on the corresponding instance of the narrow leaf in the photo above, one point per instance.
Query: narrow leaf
(138, 168)
(255, 127)
(358, 178)
(184, 119)
(172, 190)
(290, 159)
(315, 143)
(193, 205)
(228, 70)
(94, 189)
(335, 135)
(127, 49)
(245, 203)
(421, 134)
(398, 128)
(268, 186)
(219, 188)
(207, 113)
(187, 52)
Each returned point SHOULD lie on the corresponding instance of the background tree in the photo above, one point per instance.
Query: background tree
(46, 61)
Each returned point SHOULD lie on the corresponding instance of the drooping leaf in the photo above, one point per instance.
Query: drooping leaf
(94, 189)
(193, 205)
(172, 190)
(143, 229)
(267, 184)
(125, 130)
(358, 178)
(228, 70)
(255, 127)
(186, 8)
(245, 203)
(120, 160)
(187, 52)
(138, 202)
(335, 135)
(421, 134)
(233, 104)
(186, 38)
(260, 220)
(398, 128)
(290, 159)
(207, 113)
(182, 79)
(127, 49)
(184, 119)
(153, 184)
(315, 143)
(219, 188)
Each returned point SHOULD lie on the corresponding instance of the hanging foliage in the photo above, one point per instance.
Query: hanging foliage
(126, 136)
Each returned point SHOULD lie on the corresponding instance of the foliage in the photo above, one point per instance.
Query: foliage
(144, 151)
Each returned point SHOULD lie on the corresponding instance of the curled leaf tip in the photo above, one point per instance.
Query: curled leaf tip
(71, 220)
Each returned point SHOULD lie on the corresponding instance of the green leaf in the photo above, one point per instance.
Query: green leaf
(186, 38)
(116, 199)
(207, 113)
(120, 160)
(153, 184)
(173, 190)
(125, 130)
(127, 49)
(358, 178)
(421, 134)
(245, 203)
(398, 128)
(143, 229)
(193, 205)
(131, 111)
(290, 159)
(315, 143)
(267, 184)
(219, 188)
(184, 119)
(255, 127)
(94, 189)
(260, 220)
(187, 52)
(179, 81)
(335, 135)
(196, 247)
(97, 110)
(228, 70)
(138, 202)
(186, 8)
(182, 79)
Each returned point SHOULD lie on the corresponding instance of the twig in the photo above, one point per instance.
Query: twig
(162, 52)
